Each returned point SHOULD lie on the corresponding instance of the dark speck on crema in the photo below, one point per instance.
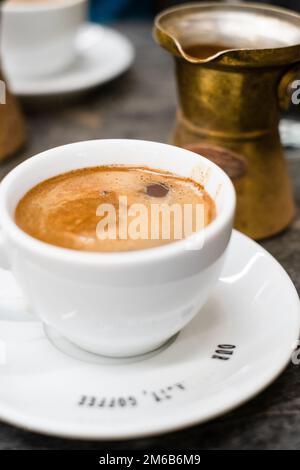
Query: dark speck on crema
(157, 190)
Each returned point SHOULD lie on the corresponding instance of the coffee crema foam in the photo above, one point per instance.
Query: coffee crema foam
(114, 208)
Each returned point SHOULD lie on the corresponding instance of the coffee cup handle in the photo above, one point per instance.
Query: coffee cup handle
(13, 306)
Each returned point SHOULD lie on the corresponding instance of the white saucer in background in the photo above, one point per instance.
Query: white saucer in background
(237, 345)
(102, 55)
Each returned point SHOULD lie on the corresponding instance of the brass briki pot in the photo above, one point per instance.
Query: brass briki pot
(12, 129)
(230, 100)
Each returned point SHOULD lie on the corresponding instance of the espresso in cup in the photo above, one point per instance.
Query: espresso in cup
(121, 303)
(114, 208)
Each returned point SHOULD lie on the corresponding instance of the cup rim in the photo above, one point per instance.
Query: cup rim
(132, 257)
(39, 6)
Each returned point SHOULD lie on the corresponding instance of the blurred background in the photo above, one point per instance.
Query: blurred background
(108, 10)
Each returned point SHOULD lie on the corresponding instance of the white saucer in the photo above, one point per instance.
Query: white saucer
(102, 54)
(254, 313)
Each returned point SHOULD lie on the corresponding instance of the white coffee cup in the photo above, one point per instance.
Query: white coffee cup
(38, 38)
(126, 303)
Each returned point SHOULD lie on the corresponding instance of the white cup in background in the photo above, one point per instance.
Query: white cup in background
(39, 38)
(126, 303)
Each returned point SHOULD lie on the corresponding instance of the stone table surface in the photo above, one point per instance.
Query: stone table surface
(141, 104)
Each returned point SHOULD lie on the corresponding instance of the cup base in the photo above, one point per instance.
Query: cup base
(76, 352)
